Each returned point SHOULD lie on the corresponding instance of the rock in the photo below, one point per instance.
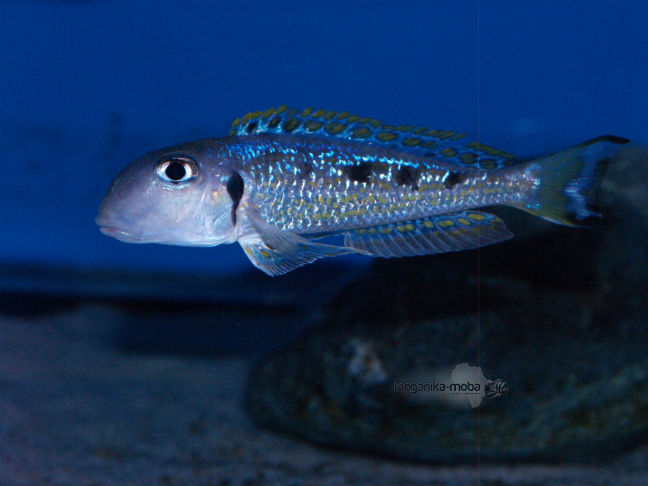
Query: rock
(556, 321)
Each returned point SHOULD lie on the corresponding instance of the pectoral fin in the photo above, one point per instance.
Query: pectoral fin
(438, 234)
(276, 251)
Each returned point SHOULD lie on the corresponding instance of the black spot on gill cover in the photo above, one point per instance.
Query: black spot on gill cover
(407, 176)
(235, 189)
(453, 179)
(359, 173)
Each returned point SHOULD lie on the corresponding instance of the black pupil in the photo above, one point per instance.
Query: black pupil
(175, 171)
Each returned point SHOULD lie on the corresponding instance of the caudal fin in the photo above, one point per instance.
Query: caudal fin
(570, 181)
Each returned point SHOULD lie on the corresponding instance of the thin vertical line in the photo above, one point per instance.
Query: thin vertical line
(478, 249)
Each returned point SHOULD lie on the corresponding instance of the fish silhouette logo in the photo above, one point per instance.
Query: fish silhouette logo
(470, 383)
(496, 388)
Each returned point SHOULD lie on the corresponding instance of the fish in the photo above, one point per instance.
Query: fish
(293, 186)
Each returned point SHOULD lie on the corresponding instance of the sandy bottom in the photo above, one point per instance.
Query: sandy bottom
(76, 409)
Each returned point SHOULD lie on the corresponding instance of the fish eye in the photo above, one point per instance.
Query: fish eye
(177, 168)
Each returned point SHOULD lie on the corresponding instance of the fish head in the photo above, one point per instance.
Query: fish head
(175, 196)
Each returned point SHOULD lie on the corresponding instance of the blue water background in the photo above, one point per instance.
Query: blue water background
(85, 87)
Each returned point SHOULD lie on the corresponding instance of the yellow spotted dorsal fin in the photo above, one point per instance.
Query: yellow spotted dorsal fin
(441, 144)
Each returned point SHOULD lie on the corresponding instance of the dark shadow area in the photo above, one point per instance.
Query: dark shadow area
(192, 315)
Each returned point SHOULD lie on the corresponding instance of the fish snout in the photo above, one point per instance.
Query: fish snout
(111, 216)
(108, 226)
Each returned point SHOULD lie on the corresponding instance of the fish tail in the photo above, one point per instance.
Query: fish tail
(569, 182)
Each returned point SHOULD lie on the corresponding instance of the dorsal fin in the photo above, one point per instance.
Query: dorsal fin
(441, 144)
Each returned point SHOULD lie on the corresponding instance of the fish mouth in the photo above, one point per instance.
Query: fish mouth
(120, 234)
(113, 231)
(126, 237)
(108, 228)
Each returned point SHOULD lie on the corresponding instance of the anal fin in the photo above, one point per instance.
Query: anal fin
(437, 234)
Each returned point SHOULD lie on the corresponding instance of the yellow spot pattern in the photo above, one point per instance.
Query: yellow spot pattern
(448, 152)
(363, 132)
(488, 150)
(488, 164)
(268, 113)
(290, 124)
(335, 128)
(405, 228)
(312, 126)
(386, 136)
(477, 216)
(468, 158)
(411, 142)
(350, 126)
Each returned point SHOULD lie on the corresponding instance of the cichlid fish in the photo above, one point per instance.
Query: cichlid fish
(285, 178)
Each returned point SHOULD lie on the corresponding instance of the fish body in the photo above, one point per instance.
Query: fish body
(285, 178)
(313, 186)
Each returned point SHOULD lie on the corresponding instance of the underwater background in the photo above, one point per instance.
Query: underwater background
(169, 365)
